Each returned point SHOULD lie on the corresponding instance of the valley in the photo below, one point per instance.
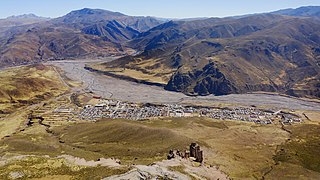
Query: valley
(51, 131)
(96, 94)
(109, 87)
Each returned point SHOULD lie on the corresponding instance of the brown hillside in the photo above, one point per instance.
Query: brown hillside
(257, 53)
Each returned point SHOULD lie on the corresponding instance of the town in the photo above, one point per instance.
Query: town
(114, 109)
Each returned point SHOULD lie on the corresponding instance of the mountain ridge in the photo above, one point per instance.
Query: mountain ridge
(26, 16)
(79, 34)
(233, 55)
(263, 52)
(303, 11)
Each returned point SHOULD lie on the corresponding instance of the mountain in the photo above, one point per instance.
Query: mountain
(79, 34)
(114, 31)
(306, 11)
(264, 52)
(21, 20)
(273, 52)
(86, 16)
(26, 16)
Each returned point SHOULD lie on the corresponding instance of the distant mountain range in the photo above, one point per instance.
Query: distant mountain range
(274, 52)
(26, 16)
(302, 11)
(20, 20)
(79, 34)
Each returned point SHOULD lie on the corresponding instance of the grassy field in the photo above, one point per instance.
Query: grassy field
(21, 88)
(28, 85)
(129, 141)
(149, 70)
(54, 168)
(301, 151)
(241, 150)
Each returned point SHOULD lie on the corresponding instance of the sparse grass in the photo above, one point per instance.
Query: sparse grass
(141, 76)
(303, 148)
(28, 85)
(176, 123)
(129, 141)
(181, 170)
(21, 87)
(41, 167)
(240, 149)
(145, 70)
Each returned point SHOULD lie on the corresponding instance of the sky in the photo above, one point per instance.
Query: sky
(157, 8)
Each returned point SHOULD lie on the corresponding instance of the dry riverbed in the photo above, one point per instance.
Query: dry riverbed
(109, 87)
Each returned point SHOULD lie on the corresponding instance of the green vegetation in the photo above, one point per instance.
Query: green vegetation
(303, 148)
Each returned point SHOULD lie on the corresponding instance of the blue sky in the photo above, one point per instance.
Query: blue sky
(159, 8)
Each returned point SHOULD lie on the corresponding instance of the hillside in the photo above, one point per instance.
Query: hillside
(79, 34)
(273, 52)
(306, 11)
(24, 86)
(21, 20)
(86, 16)
(266, 52)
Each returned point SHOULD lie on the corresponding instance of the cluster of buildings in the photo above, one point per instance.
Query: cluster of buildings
(117, 109)
(123, 110)
(241, 114)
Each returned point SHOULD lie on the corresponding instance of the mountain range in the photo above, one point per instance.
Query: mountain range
(80, 34)
(306, 11)
(272, 52)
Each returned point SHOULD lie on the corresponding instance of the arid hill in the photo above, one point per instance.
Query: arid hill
(21, 86)
(302, 11)
(265, 52)
(273, 52)
(82, 33)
